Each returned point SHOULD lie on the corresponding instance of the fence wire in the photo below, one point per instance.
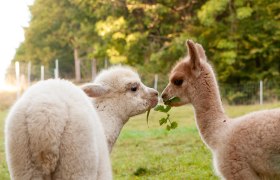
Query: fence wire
(234, 94)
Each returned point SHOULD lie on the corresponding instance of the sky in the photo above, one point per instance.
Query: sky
(14, 15)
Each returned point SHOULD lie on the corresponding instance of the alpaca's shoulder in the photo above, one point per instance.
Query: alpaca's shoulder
(263, 113)
(271, 114)
(54, 90)
(255, 124)
(52, 85)
(51, 95)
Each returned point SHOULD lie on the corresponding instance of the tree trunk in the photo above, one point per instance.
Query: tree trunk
(77, 65)
(93, 68)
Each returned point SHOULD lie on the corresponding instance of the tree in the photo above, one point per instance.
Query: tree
(151, 35)
(248, 38)
(56, 28)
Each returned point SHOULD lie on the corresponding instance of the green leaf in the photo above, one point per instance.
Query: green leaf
(162, 121)
(244, 12)
(162, 108)
(172, 100)
(167, 108)
(159, 108)
(168, 127)
(167, 117)
(174, 125)
(147, 117)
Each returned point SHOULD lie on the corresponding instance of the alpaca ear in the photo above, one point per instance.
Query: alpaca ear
(201, 52)
(194, 57)
(94, 90)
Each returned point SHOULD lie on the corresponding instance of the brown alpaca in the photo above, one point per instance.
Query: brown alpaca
(246, 148)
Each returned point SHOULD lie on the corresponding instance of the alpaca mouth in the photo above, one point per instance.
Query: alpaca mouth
(174, 101)
(175, 104)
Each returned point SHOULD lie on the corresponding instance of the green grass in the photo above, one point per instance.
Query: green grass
(143, 152)
(154, 153)
(4, 174)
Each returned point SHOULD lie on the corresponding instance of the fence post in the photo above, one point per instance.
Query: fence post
(17, 78)
(42, 73)
(56, 70)
(57, 67)
(156, 82)
(77, 65)
(261, 92)
(29, 74)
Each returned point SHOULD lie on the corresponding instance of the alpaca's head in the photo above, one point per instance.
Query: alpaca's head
(188, 76)
(121, 88)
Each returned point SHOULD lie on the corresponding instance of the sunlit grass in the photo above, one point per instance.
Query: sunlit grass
(151, 152)
(3, 166)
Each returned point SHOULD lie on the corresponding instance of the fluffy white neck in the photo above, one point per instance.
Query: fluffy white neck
(210, 117)
(112, 119)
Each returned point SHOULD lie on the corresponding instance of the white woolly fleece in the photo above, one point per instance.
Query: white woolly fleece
(54, 132)
(119, 103)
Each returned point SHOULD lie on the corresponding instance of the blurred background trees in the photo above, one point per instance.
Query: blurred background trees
(241, 37)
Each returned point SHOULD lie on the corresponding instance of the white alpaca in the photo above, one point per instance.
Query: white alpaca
(54, 132)
(118, 95)
(246, 148)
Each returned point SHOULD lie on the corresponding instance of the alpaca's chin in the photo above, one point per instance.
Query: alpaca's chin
(153, 102)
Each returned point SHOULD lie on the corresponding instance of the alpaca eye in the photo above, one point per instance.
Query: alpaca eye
(178, 82)
(133, 89)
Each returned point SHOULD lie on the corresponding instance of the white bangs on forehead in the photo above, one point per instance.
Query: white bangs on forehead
(115, 74)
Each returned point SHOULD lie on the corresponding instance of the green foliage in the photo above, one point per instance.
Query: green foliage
(162, 108)
(165, 109)
(244, 12)
(241, 38)
(166, 120)
(210, 10)
(243, 46)
(172, 100)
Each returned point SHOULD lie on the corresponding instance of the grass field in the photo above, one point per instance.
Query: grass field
(143, 152)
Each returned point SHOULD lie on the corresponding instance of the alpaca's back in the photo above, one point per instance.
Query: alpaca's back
(261, 125)
(261, 129)
(254, 139)
(53, 130)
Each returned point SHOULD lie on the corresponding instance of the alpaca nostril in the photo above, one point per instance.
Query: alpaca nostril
(163, 96)
(153, 92)
(156, 93)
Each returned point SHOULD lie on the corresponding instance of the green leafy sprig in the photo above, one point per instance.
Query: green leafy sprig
(166, 120)
(165, 109)
(147, 117)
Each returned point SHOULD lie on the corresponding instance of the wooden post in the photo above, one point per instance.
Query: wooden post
(156, 82)
(56, 70)
(42, 73)
(77, 65)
